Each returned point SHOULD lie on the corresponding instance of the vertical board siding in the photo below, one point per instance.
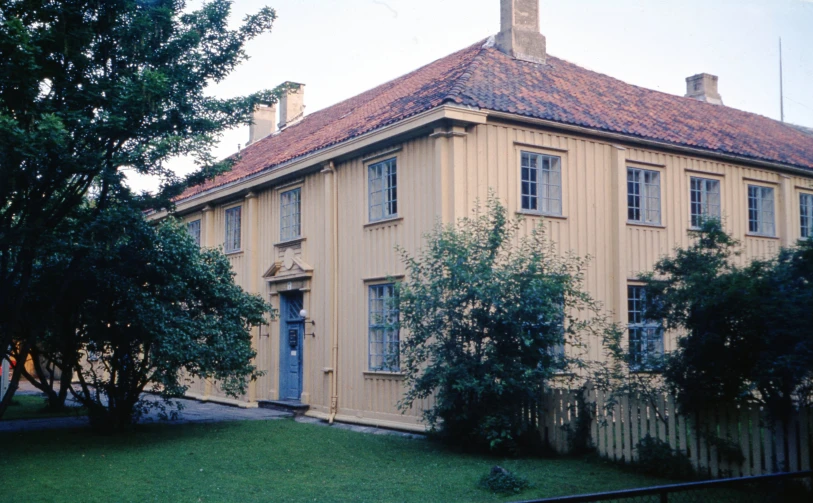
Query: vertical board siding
(368, 251)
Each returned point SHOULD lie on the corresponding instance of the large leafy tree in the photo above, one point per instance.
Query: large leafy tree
(88, 89)
(490, 319)
(744, 330)
(154, 304)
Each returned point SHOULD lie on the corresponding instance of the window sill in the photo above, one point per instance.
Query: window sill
(382, 222)
(763, 236)
(649, 226)
(369, 374)
(233, 252)
(539, 214)
(289, 242)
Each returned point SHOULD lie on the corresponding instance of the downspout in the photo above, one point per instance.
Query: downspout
(334, 297)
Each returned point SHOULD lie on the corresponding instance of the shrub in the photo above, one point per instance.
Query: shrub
(492, 319)
(657, 457)
(501, 481)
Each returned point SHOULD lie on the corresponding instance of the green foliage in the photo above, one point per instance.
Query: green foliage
(90, 89)
(501, 481)
(745, 329)
(486, 315)
(155, 304)
(656, 457)
(579, 438)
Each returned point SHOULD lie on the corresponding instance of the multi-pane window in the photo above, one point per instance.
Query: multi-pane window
(806, 207)
(645, 336)
(541, 183)
(383, 190)
(383, 330)
(290, 223)
(643, 196)
(704, 195)
(194, 230)
(233, 216)
(761, 210)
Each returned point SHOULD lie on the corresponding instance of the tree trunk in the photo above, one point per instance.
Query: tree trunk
(14, 383)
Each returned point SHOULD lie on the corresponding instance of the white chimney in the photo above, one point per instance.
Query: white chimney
(519, 34)
(292, 104)
(703, 87)
(263, 122)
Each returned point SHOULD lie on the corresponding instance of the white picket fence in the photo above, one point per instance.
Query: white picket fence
(620, 424)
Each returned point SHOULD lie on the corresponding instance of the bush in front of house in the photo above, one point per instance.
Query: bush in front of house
(491, 320)
(656, 457)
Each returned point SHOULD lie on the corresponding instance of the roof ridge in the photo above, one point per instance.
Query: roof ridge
(460, 82)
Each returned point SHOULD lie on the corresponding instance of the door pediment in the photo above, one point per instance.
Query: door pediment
(287, 267)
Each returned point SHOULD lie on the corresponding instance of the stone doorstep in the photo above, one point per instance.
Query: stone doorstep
(295, 406)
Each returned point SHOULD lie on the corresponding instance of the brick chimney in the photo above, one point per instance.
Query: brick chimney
(703, 87)
(292, 104)
(263, 122)
(519, 34)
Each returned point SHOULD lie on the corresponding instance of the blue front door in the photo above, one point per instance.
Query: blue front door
(291, 343)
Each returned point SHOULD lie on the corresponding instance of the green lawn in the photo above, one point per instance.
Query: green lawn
(269, 461)
(31, 407)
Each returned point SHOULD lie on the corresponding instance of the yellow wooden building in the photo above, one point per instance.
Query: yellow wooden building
(313, 209)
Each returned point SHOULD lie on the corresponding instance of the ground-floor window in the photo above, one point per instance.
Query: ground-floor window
(383, 332)
(645, 336)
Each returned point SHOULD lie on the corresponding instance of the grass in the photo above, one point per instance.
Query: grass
(32, 407)
(270, 461)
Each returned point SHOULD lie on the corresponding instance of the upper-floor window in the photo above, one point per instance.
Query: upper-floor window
(233, 227)
(806, 207)
(643, 196)
(383, 190)
(383, 332)
(704, 195)
(761, 210)
(541, 183)
(290, 222)
(645, 336)
(194, 230)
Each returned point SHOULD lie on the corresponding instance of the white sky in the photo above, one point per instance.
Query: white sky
(340, 48)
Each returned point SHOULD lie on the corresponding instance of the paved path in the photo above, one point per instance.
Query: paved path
(194, 411)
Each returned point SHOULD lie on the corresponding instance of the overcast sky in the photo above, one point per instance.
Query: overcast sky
(340, 48)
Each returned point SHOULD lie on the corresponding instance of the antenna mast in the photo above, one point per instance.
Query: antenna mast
(781, 93)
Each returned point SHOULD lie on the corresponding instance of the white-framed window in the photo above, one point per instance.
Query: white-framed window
(233, 228)
(806, 212)
(541, 183)
(384, 343)
(704, 197)
(645, 336)
(194, 230)
(761, 210)
(290, 222)
(382, 184)
(643, 196)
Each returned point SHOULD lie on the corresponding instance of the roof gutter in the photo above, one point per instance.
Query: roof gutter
(787, 168)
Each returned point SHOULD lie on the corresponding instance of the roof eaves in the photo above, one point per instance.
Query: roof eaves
(652, 141)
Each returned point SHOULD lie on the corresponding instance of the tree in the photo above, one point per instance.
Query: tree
(491, 319)
(88, 89)
(154, 304)
(744, 330)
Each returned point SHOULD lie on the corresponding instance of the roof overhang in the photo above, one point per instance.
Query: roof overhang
(660, 145)
(357, 145)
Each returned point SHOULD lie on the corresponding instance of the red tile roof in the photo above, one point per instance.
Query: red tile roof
(559, 91)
